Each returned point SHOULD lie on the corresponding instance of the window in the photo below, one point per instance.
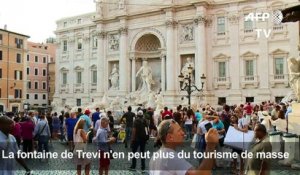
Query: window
(28, 70)
(18, 58)
(18, 93)
(44, 85)
(28, 57)
(78, 21)
(64, 75)
(79, 43)
(0, 38)
(0, 94)
(36, 85)
(278, 66)
(27, 96)
(36, 97)
(249, 68)
(44, 60)
(78, 102)
(278, 99)
(36, 71)
(249, 99)
(44, 96)
(221, 25)
(65, 45)
(65, 24)
(19, 43)
(221, 101)
(78, 77)
(1, 55)
(44, 72)
(0, 73)
(18, 75)
(29, 85)
(222, 69)
(95, 41)
(94, 77)
(36, 59)
(248, 25)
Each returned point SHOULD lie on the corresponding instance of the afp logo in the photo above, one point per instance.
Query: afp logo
(277, 17)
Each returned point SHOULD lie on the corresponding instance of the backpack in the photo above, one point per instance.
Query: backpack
(142, 129)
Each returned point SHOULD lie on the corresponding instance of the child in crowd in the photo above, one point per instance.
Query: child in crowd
(122, 134)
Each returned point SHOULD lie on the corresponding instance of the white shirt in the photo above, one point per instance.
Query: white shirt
(242, 122)
(167, 165)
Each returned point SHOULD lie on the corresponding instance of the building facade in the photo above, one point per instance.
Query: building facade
(51, 69)
(38, 57)
(240, 63)
(13, 52)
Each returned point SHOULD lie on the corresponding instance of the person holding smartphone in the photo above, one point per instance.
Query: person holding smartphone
(202, 129)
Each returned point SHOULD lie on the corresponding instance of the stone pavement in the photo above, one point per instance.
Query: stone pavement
(119, 166)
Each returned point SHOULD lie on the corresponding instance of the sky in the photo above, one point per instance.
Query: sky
(37, 18)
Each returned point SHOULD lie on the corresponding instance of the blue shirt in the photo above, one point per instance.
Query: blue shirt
(102, 139)
(95, 117)
(88, 122)
(70, 123)
(289, 110)
(198, 116)
(39, 128)
(8, 144)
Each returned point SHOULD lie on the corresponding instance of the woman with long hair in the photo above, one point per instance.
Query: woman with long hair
(80, 140)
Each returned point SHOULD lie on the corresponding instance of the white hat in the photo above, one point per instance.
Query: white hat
(140, 112)
(265, 113)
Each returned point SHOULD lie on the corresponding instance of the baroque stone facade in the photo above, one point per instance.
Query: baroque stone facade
(239, 64)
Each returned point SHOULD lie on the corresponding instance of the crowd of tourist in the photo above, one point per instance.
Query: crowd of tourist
(34, 131)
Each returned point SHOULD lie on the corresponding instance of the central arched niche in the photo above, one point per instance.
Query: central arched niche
(148, 47)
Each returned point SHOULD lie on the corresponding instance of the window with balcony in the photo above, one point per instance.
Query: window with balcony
(221, 25)
(18, 58)
(94, 77)
(248, 25)
(222, 71)
(95, 42)
(64, 78)
(79, 43)
(65, 45)
(78, 77)
(279, 68)
(249, 70)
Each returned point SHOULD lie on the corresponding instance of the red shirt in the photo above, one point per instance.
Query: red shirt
(27, 130)
(248, 109)
(165, 113)
(17, 130)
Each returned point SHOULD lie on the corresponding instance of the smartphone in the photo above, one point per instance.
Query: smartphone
(208, 126)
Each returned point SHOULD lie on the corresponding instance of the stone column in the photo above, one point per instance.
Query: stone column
(200, 40)
(123, 63)
(163, 72)
(170, 24)
(133, 78)
(87, 71)
(100, 60)
(71, 76)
